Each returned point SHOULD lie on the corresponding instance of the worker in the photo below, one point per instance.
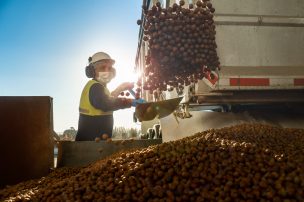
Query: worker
(97, 103)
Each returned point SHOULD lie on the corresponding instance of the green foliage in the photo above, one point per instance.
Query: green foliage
(69, 134)
(125, 133)
(118, 133)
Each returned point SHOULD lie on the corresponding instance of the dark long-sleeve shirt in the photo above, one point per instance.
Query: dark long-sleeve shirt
(90, 127)
(100, 100)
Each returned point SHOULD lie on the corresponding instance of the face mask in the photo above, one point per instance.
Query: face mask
(104, 77)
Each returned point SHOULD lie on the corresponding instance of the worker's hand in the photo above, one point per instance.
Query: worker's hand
(126, 86)
(122, 87)
(137, 101)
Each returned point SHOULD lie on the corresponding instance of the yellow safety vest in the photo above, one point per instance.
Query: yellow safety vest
(85, 105)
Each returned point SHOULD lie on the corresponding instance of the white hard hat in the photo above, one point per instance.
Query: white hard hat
(100, 56)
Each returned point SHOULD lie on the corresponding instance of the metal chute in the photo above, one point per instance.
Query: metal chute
(151, 110)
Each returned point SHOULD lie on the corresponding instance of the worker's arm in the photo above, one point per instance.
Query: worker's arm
(100, 100)
(122, 87)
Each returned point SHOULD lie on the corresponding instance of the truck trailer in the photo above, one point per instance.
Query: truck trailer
(261, 77)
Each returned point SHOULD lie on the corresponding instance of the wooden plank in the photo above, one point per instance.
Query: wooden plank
(82, 153)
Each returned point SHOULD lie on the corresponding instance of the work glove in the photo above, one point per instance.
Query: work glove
(137, 101)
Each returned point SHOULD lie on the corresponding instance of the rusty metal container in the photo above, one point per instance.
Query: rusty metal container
(26, 143)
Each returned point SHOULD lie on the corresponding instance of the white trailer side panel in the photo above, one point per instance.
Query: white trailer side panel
(259, 40)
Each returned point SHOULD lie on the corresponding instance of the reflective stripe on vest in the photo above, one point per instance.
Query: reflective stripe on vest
(85, 105)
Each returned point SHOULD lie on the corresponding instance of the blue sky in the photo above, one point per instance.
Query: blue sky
(45, 44)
